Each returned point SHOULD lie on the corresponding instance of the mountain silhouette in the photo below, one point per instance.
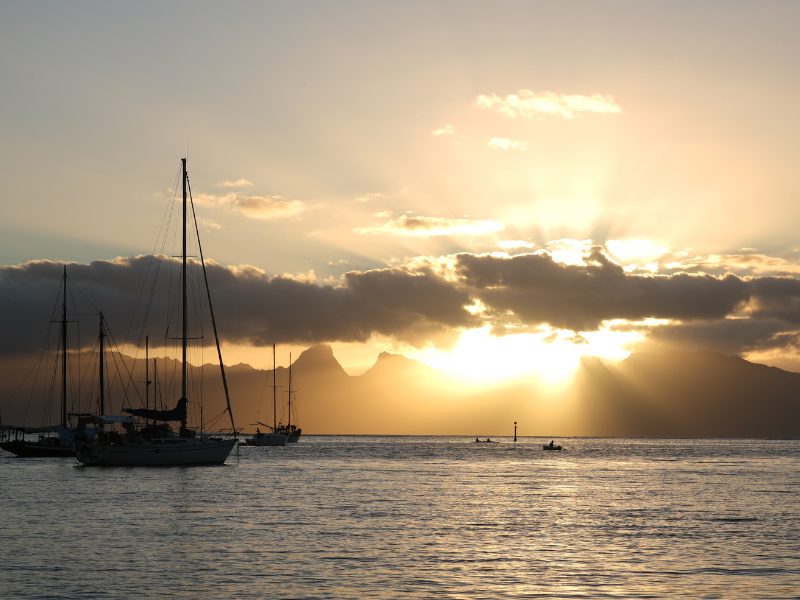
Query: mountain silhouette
(669, 394)
(690, 394)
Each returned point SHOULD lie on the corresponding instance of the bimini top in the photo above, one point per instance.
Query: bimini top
(176, 414)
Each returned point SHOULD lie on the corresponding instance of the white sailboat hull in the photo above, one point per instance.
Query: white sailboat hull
(164, 452)
(267, 439)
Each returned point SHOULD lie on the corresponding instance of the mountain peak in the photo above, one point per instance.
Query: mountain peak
(388, 356)
(319, 357)
(388, 364)
(317, 352)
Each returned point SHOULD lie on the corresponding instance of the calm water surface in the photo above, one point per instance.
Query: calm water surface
(387, 517)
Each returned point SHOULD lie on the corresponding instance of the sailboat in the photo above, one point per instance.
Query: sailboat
(156, 443)
(274, 437)
(53, 440)
(292, 432)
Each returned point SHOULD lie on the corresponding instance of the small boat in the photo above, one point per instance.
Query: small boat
(53, 440)
(274, 437)
(270, 438)
(551, 447)
(15, 440)
(486, 441)
(292, 432)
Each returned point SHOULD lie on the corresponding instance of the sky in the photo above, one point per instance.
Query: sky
(494, 189)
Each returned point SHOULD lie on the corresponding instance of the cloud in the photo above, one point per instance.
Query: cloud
(208, 224)
(723, 312)
(251, 307)
(746, 261)
(238, 183)
(726, 336)
(425, 298)
(534, 288)
(267, 208)
(368, 197)
(528, 104)
(501, 143)
(419, 226)
(515, 245)
(445, 131)
(776, 298)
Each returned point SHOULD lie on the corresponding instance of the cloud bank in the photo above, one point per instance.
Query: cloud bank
(422, 301)
(252, 307)
(536, 289)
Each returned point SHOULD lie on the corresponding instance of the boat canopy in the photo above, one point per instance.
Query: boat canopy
(176, 414)
(110, 419)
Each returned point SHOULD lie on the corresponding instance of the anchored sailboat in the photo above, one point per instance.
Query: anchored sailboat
(53, 440)
(156, 443)
(291, 431)
(274, 437)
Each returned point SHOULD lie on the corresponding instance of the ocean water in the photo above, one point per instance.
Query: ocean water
(413, 517)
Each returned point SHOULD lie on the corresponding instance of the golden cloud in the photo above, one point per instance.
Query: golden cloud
(447, 130)
(238, 183)
(420, 226)
(266, 208)
(528, 104)
(506, 144)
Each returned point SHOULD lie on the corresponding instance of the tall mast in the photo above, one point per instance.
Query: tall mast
(102, 365)
(274, 393)
(147, 381)
(156, 403)
(289, 424)
(183, 287)
(64, 352)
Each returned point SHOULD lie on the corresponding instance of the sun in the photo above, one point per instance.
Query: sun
(550, 356)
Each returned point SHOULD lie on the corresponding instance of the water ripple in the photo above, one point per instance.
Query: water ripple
(370, 517)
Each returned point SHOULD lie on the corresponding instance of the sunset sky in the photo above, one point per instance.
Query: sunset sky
(493, 188)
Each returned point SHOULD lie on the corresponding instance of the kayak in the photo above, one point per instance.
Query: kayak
(549, 447)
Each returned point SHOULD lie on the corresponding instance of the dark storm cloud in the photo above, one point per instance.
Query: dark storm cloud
(538, 289)
(776, 297)
(391, 302)
(250, 306)
(726, 336)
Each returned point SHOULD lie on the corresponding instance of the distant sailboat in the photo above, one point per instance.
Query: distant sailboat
(274, 437)
(53, 440)
(156, 444)
(292, 432)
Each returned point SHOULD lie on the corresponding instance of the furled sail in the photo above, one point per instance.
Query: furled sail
(176, 414)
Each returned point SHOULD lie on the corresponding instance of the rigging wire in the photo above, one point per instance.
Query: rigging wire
(150, 278)
(39, 365)
(75, 374)
(118, 356)
(211, 311)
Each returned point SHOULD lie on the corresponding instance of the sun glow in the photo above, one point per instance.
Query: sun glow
(642, 252)
(551, 356)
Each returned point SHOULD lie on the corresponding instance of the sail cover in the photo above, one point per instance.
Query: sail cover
(176, 414)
